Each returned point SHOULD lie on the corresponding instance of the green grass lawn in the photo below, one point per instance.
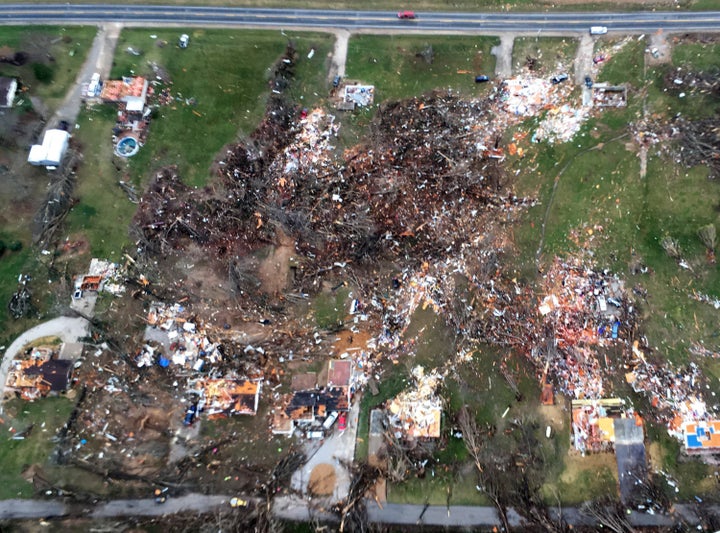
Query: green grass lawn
(61, 49)
(553, 55)
(47, 416)
(226, 73)
(393, 65)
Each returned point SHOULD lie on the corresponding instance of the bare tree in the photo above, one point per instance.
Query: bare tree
(487, 481)
(608, 513)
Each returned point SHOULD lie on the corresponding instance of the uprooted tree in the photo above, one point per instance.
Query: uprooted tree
(510, 469)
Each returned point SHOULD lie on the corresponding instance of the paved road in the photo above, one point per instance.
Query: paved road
(296, 509)
(488, 23)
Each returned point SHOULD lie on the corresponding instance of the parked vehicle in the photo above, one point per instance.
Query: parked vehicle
(559, 78)
(599, 58)
(598, 30)
(161, 495)
(94, 86)
(336, 80)
(588, 82)
(190, 415)
(330, 420)
(342, 422)
(406, 15)
(482, 79)
(77, 294)
(238, 502)
(184, 40)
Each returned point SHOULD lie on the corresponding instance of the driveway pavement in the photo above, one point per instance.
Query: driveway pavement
(337, 449)
(99, 59)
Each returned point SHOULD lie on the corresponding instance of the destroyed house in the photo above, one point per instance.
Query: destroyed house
(340, 373)
(55, 373)
(702, 437)
(91, 283)
(304, 406)
(224, 397)
(606, 95)
(593, 424)
(131, 91)
(36, 378)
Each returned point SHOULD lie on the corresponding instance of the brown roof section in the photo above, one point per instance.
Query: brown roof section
(339, 372)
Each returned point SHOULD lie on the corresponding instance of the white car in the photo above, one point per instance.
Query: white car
(184, 40)
(94, 85)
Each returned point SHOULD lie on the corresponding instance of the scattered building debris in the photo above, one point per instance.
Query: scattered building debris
(358, 95)
(416, 413)
(606, 95)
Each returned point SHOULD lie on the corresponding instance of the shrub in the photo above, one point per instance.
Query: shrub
(43, 73)
(15, 246)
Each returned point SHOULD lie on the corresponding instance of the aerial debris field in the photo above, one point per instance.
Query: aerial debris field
(276, 298)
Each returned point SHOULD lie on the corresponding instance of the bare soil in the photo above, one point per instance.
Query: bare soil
(322, 480)
(274, 269)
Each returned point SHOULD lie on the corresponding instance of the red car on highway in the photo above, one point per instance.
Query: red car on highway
(406, 15)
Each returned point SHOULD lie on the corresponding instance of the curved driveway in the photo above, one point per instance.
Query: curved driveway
(487, 23)
(69, 329)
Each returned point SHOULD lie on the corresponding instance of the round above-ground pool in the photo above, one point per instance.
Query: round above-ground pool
(127, 147)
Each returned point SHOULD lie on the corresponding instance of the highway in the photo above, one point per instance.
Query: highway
(379, 21)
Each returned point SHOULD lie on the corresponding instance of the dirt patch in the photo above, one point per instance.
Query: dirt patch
(274, 269)
(348, 341)
(322, 480)
(554, 415)
(659, 50)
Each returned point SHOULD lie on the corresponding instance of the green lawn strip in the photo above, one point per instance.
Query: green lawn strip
(331, 308)
(220, 83)
(47, 416)
(393, 64)
(548, 52)
(60, 50)
(625, 63)
(396, 378)
(103, 211)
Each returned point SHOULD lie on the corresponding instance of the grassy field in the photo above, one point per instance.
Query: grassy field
(602, 203)
(230, 95)
(393, 64)
(46, 417)
(61, 52)
(553, 55)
